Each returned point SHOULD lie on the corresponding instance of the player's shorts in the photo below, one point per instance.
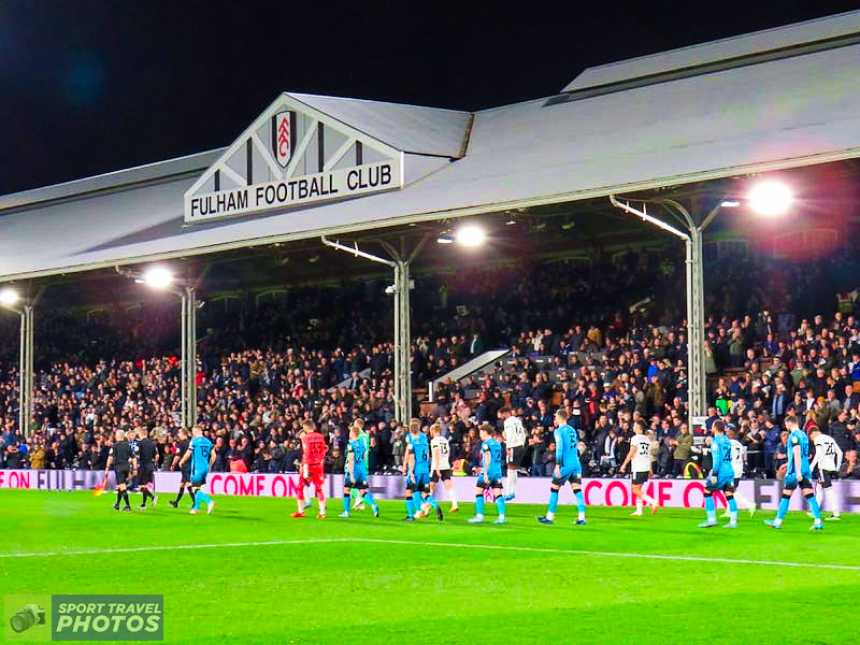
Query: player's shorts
(443, 475)
(804, 482)
(359, 481)
(571, 474)
(121, 475)
(640, 477)
(145, 475)
(418, 482)
(826, 477)
(488, 482)
(516, 455)
(186, 475)
(198, 478)
(313, 474)
(724, 482)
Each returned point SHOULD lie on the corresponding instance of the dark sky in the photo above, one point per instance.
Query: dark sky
(90, 86)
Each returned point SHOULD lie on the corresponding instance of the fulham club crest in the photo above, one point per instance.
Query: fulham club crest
(281, 143)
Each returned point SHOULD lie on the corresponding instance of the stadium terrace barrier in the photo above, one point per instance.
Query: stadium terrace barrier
(670, 493)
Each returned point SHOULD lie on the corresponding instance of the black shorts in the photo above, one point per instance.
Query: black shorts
(145, 475)
(186, 475)
(443, 475)
(360, 483)
(516, 456)
(121, 475)
(826, 477)
(803, 483)
(640, 478)
(491, 483)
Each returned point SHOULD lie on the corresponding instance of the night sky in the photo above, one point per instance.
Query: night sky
(92, 86)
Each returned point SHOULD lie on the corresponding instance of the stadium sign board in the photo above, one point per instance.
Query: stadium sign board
(292, 156)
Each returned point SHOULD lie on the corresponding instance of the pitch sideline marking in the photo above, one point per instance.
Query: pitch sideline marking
(455, 545)
(615, 554)
(166, 547)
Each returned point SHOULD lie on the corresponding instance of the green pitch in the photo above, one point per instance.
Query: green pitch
(256, 575)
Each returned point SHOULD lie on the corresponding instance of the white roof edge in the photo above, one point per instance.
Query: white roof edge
(603, 191)
(198, 161)
(746, 44)
(299, 95)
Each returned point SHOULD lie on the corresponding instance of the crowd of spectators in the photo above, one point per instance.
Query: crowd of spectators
(571, 346)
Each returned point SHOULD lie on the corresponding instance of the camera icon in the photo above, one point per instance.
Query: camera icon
(26, 617)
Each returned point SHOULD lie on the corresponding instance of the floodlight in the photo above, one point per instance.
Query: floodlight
(771, 197)
(471, 235)
(158, 277)
(445, 238)
(9, 297)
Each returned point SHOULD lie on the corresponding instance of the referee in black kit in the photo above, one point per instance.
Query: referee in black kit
(181, 449)
(122, 460)
(147, 456)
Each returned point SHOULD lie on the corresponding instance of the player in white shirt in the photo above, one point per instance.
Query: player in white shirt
(440, 465)
(828, 458)
(739, 457)
(515, 447)
(639, 458)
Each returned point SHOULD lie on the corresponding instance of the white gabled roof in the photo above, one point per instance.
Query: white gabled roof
(759, 42)
(410, 128)
(775, 114)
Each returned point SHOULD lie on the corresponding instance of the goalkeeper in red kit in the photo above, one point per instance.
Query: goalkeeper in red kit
(314, 450)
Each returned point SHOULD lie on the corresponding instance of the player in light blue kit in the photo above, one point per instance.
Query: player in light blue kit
(202, 456)
(355, 473)
(568, 469)
(721, 477)
(797, 471)
(417, 466)
(491, 475)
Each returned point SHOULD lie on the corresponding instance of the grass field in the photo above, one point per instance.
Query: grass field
(250, 573)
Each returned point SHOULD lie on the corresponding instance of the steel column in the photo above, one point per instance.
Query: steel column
(189, 357)
(403, 363)
(25, 368)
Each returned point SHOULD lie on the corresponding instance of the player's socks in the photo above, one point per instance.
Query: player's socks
(128, 502)
(432, 501)
(832, 502)
(500, 505)
(346, 498)
(202, 497)
(118, 498)
(178, 496)
(648, 499)
(733, 511)
(638, 510)
(553, 503)
(321, 512)
(710, 509)
(580, 504)
(417, 501)
(479, 505)
(814, 507)
(410, 508)
(453, 496)
(819, 495)
(743, 502)
(368, 497)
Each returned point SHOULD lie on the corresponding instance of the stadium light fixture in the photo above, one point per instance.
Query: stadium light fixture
(445, 238)
(471, 235)
(771, 198)
(158, 277)
(9, 297)
(730, 203)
